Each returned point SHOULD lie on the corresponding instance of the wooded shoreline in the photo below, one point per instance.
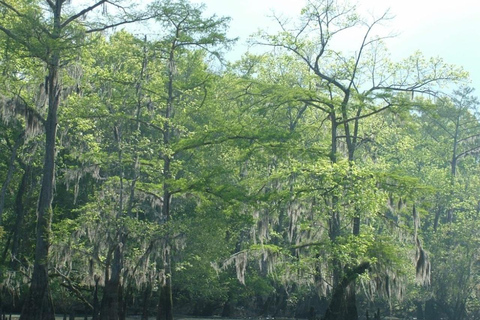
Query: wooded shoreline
(142, 173)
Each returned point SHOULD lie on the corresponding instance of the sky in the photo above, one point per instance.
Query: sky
(449, 29)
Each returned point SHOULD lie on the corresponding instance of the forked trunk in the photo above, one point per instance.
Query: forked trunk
(343, 305)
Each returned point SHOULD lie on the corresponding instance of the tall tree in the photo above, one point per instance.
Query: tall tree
(452, 121)
(349, 88)
(49, 31)
(184, 29)
(450, 128)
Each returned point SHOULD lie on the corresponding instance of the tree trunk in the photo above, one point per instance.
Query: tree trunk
(123, 298)
(430, 311)
(96, 307)
(420, 313)
(19, 217)
(165, 303)
(2, 314)
(146, 301)
(38, 304)
(110, 306)
(343, 305)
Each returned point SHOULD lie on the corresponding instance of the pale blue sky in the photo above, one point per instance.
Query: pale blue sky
(446, 28)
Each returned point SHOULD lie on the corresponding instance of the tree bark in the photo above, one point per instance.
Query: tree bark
(165, 304)
(96, 306)
(38, 305)
(343, 305)
(110, 305)
(122, 301)
(146, 301)
(19, 217)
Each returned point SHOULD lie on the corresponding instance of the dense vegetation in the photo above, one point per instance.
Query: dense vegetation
(146, 175)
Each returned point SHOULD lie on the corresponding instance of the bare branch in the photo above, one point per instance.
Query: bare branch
(67, 283)
(113, 25)
(51, 4)
(470, 137)
(311, 103)
(149, 193)
(81, 13)
(364, 44)
(358, 117)
(471, 150)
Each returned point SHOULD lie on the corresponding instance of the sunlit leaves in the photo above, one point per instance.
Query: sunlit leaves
(185, 27)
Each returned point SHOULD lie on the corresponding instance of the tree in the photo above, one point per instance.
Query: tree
(350, 89)
(450, 130)
(58, 32)
(154, 96)
(305, 171)
(453, 123)
(184, 28)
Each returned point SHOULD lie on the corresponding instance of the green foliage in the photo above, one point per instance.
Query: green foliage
(285, 170)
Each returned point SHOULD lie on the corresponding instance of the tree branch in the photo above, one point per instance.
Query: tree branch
(365, 115)
(471, 150)
(51, 4)
(110, 26)
(206, 143)
(67, 283)
(18, 13)
(81, 13)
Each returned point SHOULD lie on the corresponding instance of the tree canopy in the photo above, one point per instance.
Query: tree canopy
(143, 174)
